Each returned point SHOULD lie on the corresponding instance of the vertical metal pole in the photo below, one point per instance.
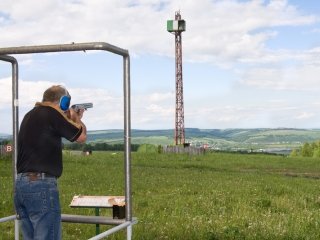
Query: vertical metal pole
(127, 136)
(15, 128)
(15, 117)
(129, 232)
(16, 229)
(15, 110)
(15, 124)
(97, 211)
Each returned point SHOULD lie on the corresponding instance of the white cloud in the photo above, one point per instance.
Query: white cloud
(216, 30)
(316, 30)
(107, 111)
(5, 93)
(273, 113)
(230, 115)
(301, 78)
(304, 115)
(220, 32)
(29, 92)
(154, 110)
(159, 97)
(231, 34)
(233, 31)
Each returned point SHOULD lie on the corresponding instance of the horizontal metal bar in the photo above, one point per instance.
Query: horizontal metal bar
(65, 48)
(90, 219)
(80, 219)
(7, 219)
(8, 59)
(111, 231)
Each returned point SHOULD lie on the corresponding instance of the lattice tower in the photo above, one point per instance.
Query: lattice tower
(177, 26)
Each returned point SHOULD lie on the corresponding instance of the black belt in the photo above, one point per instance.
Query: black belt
(33, 176)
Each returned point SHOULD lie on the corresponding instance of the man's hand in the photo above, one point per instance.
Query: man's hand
(76, 116)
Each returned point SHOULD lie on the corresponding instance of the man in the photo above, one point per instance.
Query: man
(39, 162)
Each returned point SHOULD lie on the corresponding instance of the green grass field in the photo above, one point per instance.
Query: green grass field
(214, 196)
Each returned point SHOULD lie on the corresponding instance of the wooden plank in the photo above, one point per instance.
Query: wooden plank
(97, 201)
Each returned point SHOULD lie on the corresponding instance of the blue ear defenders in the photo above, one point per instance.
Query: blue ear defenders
(65, 102)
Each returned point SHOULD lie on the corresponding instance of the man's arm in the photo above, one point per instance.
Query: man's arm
(76, 117)
(83, 136)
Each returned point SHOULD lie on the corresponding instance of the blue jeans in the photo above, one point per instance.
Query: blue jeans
(38, 207)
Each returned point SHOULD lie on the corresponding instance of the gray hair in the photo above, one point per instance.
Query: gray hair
(54, 93)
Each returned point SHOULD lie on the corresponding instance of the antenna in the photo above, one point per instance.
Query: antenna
(178, 26)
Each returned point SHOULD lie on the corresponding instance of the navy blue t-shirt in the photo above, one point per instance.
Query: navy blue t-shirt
(40, 140)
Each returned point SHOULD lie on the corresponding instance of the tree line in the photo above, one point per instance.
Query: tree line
(98, 147)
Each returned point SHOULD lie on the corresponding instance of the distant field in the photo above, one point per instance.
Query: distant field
(216, 196)
(219, 139)
(257, 139)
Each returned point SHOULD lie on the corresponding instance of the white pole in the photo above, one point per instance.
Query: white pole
(110, 231)
(16, 229)
(129, 232)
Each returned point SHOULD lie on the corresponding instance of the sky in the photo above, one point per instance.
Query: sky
(246, 64)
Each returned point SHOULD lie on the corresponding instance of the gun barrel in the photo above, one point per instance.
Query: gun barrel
(87, 105)
(82, 106)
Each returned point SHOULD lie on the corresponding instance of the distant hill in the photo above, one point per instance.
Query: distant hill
(264, 139)
(137, 136)
(255, 138)
(4, 136)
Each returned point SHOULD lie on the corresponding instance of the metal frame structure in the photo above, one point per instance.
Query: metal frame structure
(120, 224)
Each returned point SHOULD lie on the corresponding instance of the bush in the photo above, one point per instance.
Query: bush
(148, 148)
(307, 150)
